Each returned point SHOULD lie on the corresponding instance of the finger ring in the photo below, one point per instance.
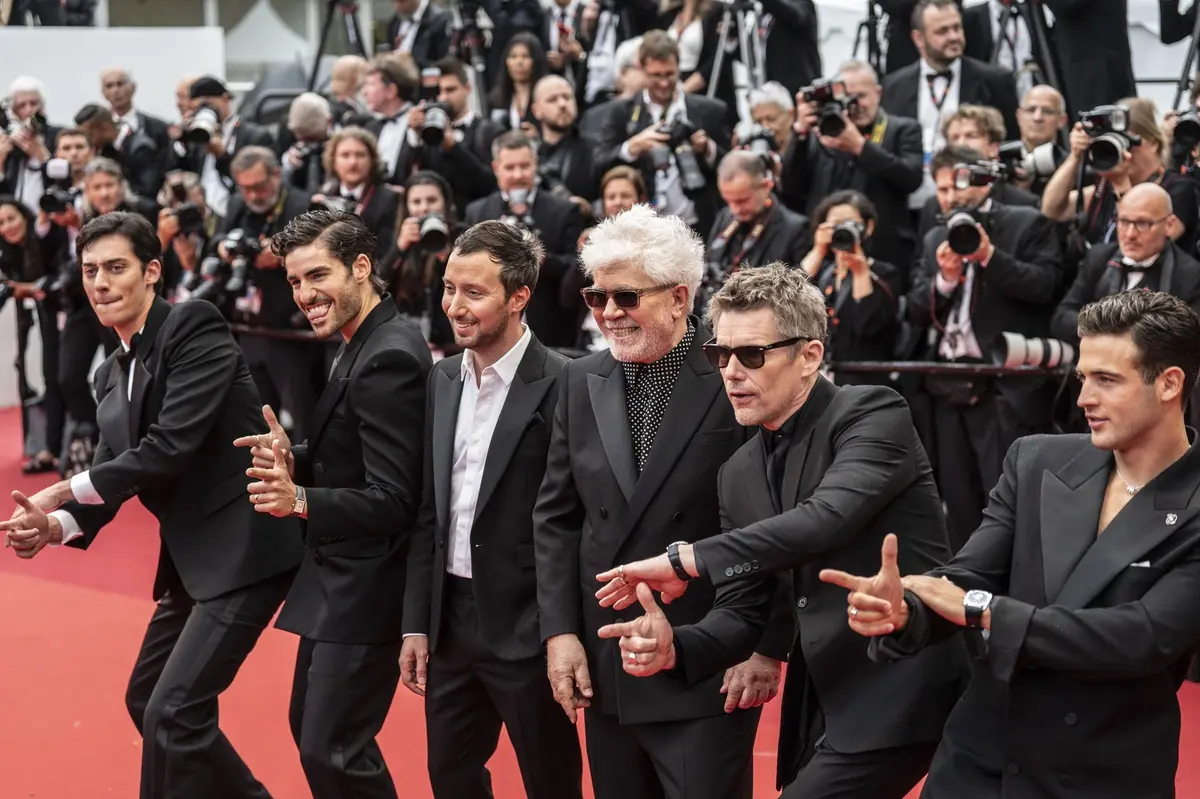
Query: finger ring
(621, 571)
(853, 611)
(633, 657)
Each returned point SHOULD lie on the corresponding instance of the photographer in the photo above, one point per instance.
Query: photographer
(861, 293)
(25, 142)
(673, 138)
(556, 221)
(754, 228)
(1042, 117)
(389, 91)
(287, 373)
(27, 264)
(849, 142)
(309, 121)
(986, 269)
(770, 133)
(1123, 146)
(118, 88)
(357, 184)
(565, 163)
(426, 229)
(420, 29)
(134, 150)
(73, 146)
(181, 232)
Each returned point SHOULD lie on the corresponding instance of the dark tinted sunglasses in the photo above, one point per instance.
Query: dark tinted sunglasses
(624, 298)
(750, 356)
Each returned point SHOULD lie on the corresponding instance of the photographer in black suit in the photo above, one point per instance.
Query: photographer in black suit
(829, 474)
(556, 221)
(1084, 576)
(420, 29)
(356, 483)
(134, 150)
(471, 605)
(171, 403)
(118, 88)
(352, 162)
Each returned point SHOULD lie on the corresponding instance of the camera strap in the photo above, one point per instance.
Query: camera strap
(939, 101)
(722, 240)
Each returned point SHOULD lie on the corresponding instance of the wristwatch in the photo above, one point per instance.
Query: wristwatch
(974, 605)
(677, 562)
(300, 503)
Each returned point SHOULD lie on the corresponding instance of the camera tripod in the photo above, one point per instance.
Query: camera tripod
(1185, 76)
(1035, 21)
(751, 48)
(349, 11)
(868, 34)
(466, 44)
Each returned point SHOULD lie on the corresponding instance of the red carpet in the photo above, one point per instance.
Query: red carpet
(71, 622)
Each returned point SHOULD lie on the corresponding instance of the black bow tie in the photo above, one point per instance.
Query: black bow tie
(946, 73)
(1129, 263)
(126, 357)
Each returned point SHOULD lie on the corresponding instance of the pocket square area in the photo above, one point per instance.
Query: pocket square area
(1144, 564)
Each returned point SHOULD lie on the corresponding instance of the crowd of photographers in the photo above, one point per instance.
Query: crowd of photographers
(950, 211)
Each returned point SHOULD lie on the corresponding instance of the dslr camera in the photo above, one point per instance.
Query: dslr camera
(435, 233)
(963, 229)
(679, 133)
(36, 123)
(1108, 128)
(830, 98)
(60, 190)
(755, 138)
(1187, 130)
(243, 250)
(847, 236)
(1042, 162)
(982, 173)
(203, 126)
(437, 115)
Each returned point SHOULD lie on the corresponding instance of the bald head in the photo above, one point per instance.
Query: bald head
(1148, 196)
(1041, 115)
(117, 86)
(551, 84)
(554, 104)
(1145, 218)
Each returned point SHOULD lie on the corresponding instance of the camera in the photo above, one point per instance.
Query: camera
(435, 233)
(516, 198)
(437, 115)
(60, 194)
(1187, 130)
(982, 173)
(1107, 126)
(1011, 350)
(963, 230)
(550, 177)
(847, 236)
(205, 282)
(36, 123)
(679, 133)
(755, 138)
(191, 218)
(204, 124)
(242, 251)
(1041, 162)
(830, 97)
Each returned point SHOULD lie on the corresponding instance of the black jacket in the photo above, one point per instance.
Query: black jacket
(1091, 38)
(786, 237)
(982, 84)
(432, 42)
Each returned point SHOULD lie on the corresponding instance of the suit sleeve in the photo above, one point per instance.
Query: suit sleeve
(1065, 322)
(904, 169)
(388, 398)
(558, 519)
(200, 361)
(1033, 274)
(418, 590)
(565, 256)
(875, 461)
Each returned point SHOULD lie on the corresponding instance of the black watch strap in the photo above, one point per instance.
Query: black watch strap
(677, 562)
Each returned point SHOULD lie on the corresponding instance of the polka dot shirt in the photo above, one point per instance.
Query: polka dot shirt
(647, 392)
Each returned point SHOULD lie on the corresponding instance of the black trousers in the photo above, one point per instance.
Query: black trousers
(341, 694)
(879, 774)
(707, 758)
(190, 655)
(469, 693)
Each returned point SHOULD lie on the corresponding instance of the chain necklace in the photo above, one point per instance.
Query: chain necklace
(1130, 489)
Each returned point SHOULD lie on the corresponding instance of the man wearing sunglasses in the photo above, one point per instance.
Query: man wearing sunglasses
(830, 474)
(639, 434)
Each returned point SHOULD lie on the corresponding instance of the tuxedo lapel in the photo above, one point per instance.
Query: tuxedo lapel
(607, 393)
(143, 378)
(447, 396)
(112, 414)
(1070, 515)
(339, 380)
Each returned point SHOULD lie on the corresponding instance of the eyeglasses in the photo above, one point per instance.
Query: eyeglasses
(750, 356)
(1140, 225)
(625, 299)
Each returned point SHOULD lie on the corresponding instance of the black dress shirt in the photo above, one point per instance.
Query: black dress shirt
(647, 392)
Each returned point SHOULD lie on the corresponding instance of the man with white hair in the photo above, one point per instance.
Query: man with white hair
(25, 152)
(639, 433)
(118, 87)
(309, 121)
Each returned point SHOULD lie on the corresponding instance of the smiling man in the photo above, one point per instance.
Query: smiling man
(171, 402)
(356, 483)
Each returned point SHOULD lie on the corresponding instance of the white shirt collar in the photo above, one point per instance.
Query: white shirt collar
(955, 69)
(125, 346)
(506, 367)
(356, 192)
(130, 119)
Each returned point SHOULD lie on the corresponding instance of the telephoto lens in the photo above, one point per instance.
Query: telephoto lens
(435, 233)
(962, 233)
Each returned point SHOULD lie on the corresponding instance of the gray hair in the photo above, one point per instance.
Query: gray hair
(742, 162)
(854, 65)
(797, 305)
(626, 56)
(771, 92)
(27, 85)
(663, 247)
(249, 157)
(105, 166)
(309, 116)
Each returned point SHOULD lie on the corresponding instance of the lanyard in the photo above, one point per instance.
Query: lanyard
(938, 102)
(748, 243)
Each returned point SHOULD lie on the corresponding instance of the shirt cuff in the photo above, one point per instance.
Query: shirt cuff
(625, 154)
(944, 287)
(410, 635)
(84, 491)
(70, 528)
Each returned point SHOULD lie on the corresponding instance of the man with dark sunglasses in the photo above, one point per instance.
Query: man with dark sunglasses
(831, 472)
(638, 436)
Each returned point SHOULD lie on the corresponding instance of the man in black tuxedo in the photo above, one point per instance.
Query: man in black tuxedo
(878, 155)
(556, 221)
(420, 29)
(1092, 43)
(357, 178)
(944, 78)
(754, 228)
(133, 149)
(830, 473)
(356, 483)
(171, 402)
(634, 134)
(389, 90)
(118, 88)
(25, 152)
(1007, 284)
(638, 436)
(471, 602)
(565, 160)
(1085, 575)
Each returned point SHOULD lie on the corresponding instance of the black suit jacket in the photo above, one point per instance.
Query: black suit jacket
(171, 445)
(468, 164)
(560, 225)
(361, 469)
(1004, 193)
(629, 116)
(432, 42)
(379, 214)
(1075, 694)
(502, 553)
(855, 472)
(977, 29)
(594, 512)
(1091, 38)
(787, 238)
(982, 84)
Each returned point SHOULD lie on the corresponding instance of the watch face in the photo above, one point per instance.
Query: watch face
(978, 599)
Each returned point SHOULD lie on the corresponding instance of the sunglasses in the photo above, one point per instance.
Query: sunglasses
(624, 298)
(750, 356)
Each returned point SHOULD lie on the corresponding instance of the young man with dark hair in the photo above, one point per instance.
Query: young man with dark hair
(171, 402)
(471, 606)
(356, 483)
(1084, 579)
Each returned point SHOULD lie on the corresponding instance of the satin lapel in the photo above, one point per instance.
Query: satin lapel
(691, 397)
(519, 406)
(1158, 510)
(607, 394)
(1070, 515)
(447, 396)
(143, 378)
(112, 412)
(336, 387)
(819, 399)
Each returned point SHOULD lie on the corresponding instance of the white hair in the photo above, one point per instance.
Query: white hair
(772, 92)
(854, 65)
(27, 85)
(626, 56)
(309, 115)
(663, 247)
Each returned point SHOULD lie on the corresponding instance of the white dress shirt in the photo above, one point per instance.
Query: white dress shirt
(478, 411)
(930, 117)
(406, 34)
(602, 60)
(668, 185)
(391, 139)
